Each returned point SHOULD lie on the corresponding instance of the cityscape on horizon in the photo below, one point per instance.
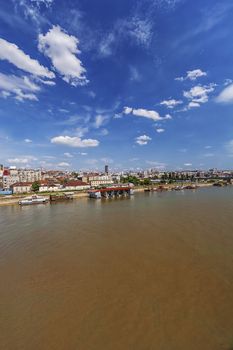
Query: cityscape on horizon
(137, 85)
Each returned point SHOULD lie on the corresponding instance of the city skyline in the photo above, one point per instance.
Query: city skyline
(145, 84)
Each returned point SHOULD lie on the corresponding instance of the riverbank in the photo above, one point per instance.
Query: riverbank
(14, 199)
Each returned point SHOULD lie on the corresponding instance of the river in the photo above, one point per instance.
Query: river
(150, 272)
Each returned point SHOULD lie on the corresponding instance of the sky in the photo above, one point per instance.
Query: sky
(134, 84)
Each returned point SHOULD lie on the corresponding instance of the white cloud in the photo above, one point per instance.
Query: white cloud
(134, 74)
(106, 160)
(47, 82)
(208, 155)
(228, 82)
(105, 45)
(156, 165)
(22, 160)
(229, 147)
(81, 131)
(140, 29)
(68, 155)
(45, 2)
(62, 49)
(226, 96)
(187, 164)
(104, 132)
(20, 87)
(143, 140)
(74, 141)
(135, 29)
(32, 9)
(27, 140)
(160, 130)
(171, 103)
(63, 164)
(192, 75)
(99, 121)
(193, 105)
(127, 110)
(11, 53)
(150, 114)
(199, 94)
(18, 160)
(83, 154)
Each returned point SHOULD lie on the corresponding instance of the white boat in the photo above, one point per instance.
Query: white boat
(34, 199)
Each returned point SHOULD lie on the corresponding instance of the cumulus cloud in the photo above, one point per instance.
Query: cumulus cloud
(143, 140)
(145, 113)
(226, 96)
(160, 130)
(27, 140)
(62, 49)
(171, 103)
(11, 53)
(74, 141)
(187, 164)
(199, 94)
(21, 88)
(192, 75)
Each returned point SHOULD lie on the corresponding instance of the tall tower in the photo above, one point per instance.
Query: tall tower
(106, 169)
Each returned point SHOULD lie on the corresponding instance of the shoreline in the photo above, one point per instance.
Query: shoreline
(6, 201)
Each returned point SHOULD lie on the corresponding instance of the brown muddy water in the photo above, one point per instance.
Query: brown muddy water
(151, 272)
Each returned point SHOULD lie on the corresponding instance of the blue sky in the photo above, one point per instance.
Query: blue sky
(133, 84)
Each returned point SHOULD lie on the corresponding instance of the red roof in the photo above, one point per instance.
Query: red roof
(6, 172)
(21, 184)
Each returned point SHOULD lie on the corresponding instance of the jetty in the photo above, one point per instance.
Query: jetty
(110, 192)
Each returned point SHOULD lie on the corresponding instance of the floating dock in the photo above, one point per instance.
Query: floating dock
(110, 192)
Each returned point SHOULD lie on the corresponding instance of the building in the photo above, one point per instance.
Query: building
(106, 169)
(29, 175)
(21, 187)
(12, 175)
(49, 186)
(100, 180)
(75, 185)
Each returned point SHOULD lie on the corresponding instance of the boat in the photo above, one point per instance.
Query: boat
(218, 184)
(34, 199)
(147, 189)
(177, 188)
(94, 194)
(61, 196)
(190, 187)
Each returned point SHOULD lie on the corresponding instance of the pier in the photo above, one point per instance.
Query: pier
(110, 192)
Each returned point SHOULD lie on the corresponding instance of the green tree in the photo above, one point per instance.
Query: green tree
(35, 186)
(147, 182)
